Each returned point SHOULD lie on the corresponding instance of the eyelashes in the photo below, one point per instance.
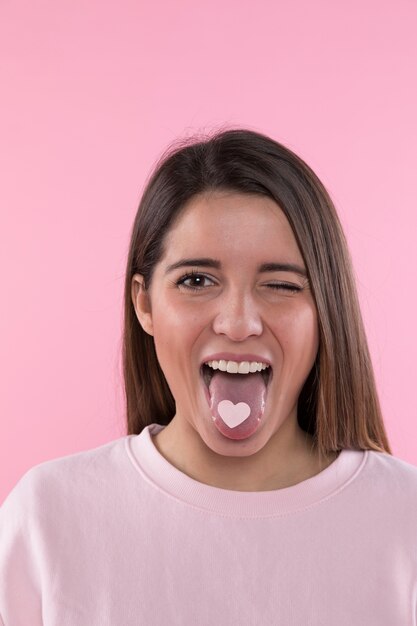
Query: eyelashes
(288, 287)
(193, 276)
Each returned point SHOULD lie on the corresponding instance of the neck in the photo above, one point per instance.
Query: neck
(288, 457)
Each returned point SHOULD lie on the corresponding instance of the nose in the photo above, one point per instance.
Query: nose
(238, 317)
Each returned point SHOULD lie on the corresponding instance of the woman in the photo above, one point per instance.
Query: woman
(256, 484)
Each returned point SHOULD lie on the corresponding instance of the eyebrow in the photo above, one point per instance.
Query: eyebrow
(264, 267)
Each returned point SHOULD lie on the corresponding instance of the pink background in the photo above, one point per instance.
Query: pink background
(92, 93)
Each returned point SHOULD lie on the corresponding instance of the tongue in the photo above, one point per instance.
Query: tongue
(237, 399)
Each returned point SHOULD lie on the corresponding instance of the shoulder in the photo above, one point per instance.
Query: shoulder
(392, 464)
(57, 480)
(391, 475)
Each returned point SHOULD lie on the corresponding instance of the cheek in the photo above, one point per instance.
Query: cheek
(176, 330)
(299, 335)
(175, 327)
(179, 318)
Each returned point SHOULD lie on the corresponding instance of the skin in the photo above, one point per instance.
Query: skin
(235, 309)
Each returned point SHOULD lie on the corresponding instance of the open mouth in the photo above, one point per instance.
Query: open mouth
(207, 374)
(236, 401)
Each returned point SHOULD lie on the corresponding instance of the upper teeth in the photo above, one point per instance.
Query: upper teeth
(233, 367)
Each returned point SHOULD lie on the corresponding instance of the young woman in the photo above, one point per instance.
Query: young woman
(255, 484)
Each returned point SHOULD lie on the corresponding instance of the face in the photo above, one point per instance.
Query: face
(237, 307)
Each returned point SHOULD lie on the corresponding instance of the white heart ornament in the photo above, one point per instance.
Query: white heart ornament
(233, 414)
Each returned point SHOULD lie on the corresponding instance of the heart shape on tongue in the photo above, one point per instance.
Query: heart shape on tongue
(233, 414)
(237, 398)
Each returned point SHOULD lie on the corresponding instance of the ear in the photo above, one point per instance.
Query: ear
(142, 303)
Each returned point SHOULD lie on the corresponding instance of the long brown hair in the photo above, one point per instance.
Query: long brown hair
(338, 403)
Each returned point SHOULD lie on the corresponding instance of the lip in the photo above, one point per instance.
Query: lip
(229, 356)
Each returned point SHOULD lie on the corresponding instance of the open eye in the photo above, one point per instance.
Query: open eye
(194, 276)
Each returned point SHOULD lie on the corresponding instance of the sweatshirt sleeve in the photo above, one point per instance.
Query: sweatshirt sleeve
(20, 580)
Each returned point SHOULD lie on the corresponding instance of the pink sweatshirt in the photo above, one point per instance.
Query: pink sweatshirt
(116, 536)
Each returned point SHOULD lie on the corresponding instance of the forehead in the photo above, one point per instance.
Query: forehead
(232, 225)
